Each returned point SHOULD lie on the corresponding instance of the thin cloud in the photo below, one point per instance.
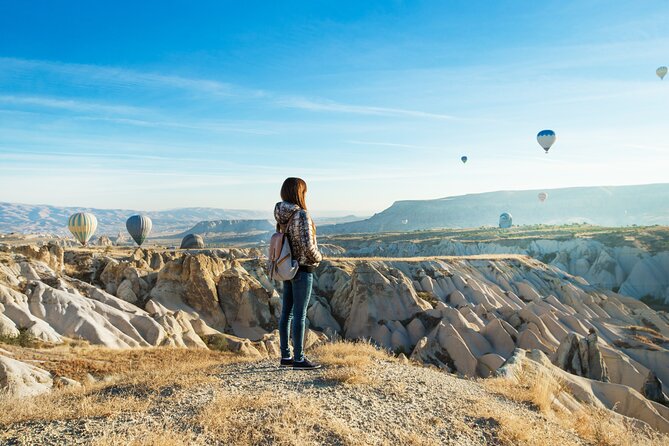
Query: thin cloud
(214, 127)
(336, 107)
(96, 74)
(116, 175)
(21, 140)
(121, 164)
(389, 144)
(115, 161)
(70, 104)
(656, 149)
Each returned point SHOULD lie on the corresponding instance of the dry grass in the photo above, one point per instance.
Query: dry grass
(413, 439)
(359, 355)
(533, 386)
(132, 379)
(66, 404)
(537, 388)
(268, 419)
(650, 343)
(350, 363)
(147, 436)
(601, 429)
(517, 429)
(153, 367)
(350, 376)
(650, 331)
(595, 425)
(648, 336)
(420, 425)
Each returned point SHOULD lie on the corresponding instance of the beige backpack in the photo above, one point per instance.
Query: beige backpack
(281, 264)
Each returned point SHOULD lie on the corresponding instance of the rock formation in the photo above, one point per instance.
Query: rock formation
(581, 356)
(652, 389)
(465, 316)
(579, 391)
(632, 271)
(104, 240)
(19, 380)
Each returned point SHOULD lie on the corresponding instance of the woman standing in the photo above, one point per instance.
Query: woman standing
(292, 214)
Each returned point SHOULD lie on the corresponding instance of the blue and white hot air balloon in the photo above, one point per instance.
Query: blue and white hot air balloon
(546, 138)
(505, 220)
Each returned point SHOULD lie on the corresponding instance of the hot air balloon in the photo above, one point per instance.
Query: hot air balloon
(139, 227)
(82, 225)
(463, 159)
(505, 220)
(661, 72)
(192, 241)
(546, 138)
(405, 221)
(542, 196)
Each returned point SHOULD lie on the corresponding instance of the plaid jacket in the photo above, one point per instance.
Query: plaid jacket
(301, 232)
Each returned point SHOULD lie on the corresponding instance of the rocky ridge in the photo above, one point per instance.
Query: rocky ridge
(632, 271)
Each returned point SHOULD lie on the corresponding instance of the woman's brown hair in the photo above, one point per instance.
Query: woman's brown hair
(293, 191)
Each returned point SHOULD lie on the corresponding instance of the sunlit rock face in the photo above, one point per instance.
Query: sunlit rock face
(496, 306)
(572, 393)
(582, 356)
(19, 379)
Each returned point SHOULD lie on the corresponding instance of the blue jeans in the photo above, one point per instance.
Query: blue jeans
(296, 294)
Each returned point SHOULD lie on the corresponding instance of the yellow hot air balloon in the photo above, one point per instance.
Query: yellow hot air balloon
(82, 225)
(661, 72)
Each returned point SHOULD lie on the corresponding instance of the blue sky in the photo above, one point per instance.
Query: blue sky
(162, 104)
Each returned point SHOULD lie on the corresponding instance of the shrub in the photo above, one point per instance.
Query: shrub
(24, 339)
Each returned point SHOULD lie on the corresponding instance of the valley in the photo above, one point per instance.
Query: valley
(497, 316)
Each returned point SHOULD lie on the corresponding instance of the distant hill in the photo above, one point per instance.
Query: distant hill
(606, 206)
(229, 227)
(238, 231)
(46, 219)
(336, 220)
(28, 218)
